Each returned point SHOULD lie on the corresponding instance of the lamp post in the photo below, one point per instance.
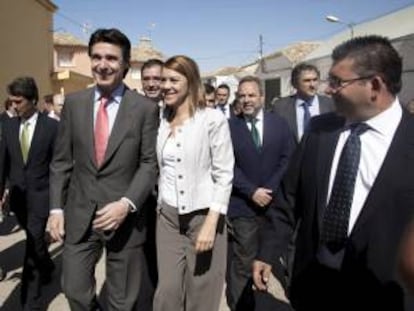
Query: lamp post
(334, 19)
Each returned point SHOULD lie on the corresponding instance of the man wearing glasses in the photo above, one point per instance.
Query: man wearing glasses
(350, 185)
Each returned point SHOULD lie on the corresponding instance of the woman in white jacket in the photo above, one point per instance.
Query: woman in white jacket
(195, 157)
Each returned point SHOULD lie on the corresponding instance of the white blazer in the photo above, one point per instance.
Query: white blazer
(205, 162)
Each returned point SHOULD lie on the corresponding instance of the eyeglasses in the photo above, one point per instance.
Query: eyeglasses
(337, 84)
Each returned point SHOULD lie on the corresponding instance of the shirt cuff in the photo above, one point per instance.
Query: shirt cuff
(131, 205)
(217, 207)
(56, 211)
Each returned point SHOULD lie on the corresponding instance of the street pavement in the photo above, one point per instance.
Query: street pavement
(11, 259)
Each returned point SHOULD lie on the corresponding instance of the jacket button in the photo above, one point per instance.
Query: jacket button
(178, 145)
(181, 192)
(180, 176)
(178, 160)
(183, 207)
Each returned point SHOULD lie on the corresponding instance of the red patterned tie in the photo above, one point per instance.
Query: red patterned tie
(101, 131)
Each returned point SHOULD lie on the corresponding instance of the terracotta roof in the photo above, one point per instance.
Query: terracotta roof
(295, 52)
(224, 71)
(145, 51)
(67, 39)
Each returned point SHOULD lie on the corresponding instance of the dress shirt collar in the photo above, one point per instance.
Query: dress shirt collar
(116, 95)
(32, 120)
(386, 122)
(258, 117)
(300, 101)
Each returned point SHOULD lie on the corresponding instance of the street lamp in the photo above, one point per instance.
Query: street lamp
(334, 19)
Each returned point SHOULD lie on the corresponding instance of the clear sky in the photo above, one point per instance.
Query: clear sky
(219, 33)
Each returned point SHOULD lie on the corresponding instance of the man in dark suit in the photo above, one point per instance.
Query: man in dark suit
(222, 100)
(151, 86)
(306, 103)
(351, 185)
(26, 149)
(262, 145)
(103, 169)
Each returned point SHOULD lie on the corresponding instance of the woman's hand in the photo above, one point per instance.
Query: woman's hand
(207, 234)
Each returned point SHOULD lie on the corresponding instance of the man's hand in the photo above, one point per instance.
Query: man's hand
(207, 234)
(55, 227)
(261, 274)
(111, 216)
(262, 196)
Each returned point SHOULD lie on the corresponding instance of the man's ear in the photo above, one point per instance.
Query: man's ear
(377, 83)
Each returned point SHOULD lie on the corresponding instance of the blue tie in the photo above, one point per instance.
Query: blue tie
(306, 115)
(336, 217)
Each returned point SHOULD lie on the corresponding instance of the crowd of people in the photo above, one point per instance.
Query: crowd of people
(187, 192)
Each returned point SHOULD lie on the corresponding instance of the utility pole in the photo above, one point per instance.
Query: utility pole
(261, 59)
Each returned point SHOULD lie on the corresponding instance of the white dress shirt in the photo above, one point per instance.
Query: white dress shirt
(259, 124)
(300, 112)
(112, 106)
(375, 143)
(31, 127)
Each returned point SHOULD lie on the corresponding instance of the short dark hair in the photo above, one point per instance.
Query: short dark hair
(208, 88)
(224, 86)
(7, 104)
(252, 79)
(48, 98)
(25, 87)
(150, 63)
(297, 71)
(112, 36)
(373, 55)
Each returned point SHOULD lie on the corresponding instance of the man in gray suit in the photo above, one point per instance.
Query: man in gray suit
(299, 108)
(103, 169)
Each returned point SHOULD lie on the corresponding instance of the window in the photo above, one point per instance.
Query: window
(65, 59)
(272, 90)
(135, 73)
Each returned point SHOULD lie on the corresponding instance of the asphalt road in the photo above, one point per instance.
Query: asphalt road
(11, 259)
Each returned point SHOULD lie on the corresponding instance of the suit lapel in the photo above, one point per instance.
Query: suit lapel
(37, 134)
(87, 114)
(245, 132)
(324, 164)
(15, 142)
(267, 130)
(401, 145)
(291, 114)
(123, 122)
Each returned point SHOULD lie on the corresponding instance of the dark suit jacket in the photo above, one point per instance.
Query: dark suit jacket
(254, 168)
(369, 264)
(30, 180)
(286, 108)
(129, 167)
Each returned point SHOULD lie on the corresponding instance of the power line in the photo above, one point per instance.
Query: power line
(85, 27)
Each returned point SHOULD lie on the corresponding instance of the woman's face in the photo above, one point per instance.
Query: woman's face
(174, 87)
